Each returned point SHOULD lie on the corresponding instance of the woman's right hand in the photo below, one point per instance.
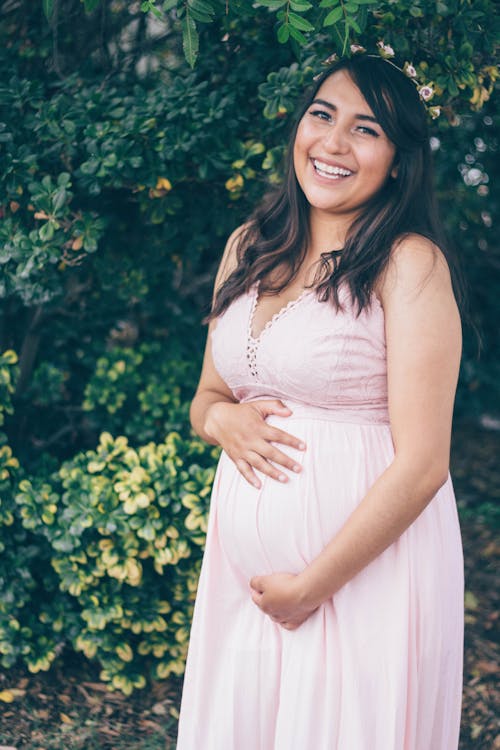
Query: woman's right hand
(242, 431)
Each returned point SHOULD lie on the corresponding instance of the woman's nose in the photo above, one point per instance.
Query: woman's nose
(336, 139)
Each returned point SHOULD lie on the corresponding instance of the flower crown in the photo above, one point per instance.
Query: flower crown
(385, 51)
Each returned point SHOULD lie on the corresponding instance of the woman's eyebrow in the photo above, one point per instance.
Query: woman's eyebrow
(331, 106)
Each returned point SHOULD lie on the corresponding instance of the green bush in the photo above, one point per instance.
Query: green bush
(107, 548)
(141, 393)
(126, 528)
(28, 622)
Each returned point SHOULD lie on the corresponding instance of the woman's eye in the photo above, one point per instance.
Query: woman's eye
(368, 131)
(321, 113)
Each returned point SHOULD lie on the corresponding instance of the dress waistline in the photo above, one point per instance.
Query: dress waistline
(361, 413)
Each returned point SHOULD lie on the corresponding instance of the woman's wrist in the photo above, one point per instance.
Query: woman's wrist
(212, 413)
(310, 592)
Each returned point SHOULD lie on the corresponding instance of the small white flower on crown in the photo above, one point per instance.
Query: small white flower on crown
(410, 70)
(426, 92)
(385, 49)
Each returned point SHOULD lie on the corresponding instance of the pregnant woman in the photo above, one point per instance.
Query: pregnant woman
(329, 613)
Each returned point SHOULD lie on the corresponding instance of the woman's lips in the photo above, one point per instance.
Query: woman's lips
(329, 171)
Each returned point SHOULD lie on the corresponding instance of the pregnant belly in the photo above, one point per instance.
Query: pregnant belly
(284, 526)
(261, 530)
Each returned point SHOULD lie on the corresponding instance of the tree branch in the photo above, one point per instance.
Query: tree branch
(29, 350)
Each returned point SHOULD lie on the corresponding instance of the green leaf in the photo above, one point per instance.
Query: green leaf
(353, 24)
(91, 166)
(297, 35)
(117, 112)
(301, 6)
(156, 12)
(202, 6)
(200, 17)
(64, 180)
(328, 3)
(48, 8)
(46, 232)
(466, 50)
(272, 4)
(110, 160)
(256, 148)
(333, 17)
(59, 199)
(147, 532)
(91, 5)
(201, 11)
(283, 34)
(190, 40)
(351, 7)
(362, 17)
(452, 87)
(300, 23)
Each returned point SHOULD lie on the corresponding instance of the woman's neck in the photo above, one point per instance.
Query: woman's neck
(326, 233)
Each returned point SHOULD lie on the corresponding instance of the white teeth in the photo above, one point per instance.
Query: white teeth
(328, 170)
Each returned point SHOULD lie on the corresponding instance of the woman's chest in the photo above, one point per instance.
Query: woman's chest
(305, 349)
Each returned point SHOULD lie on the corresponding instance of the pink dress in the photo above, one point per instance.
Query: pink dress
(377, 667)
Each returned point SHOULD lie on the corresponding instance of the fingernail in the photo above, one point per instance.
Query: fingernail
(282, 478)
(296, 467)
(302, 446)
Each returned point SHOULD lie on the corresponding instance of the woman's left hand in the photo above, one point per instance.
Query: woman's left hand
(280, 596)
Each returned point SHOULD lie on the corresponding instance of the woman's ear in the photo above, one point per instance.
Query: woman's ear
(395, 168)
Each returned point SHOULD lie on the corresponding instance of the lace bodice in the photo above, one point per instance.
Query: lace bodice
(307, 353)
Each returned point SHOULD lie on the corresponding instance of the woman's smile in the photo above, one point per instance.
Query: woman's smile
(330, 171)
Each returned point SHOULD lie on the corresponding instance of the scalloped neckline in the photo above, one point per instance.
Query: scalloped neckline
(275, 317)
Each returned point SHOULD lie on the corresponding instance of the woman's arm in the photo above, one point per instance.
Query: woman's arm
(240, 429)
(423, 336)
(211, 388)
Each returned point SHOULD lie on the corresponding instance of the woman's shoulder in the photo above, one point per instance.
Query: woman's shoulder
(416, 263)
(229, 260)
(417, 249)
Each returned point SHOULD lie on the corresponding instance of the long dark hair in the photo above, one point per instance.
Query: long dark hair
(277, 234)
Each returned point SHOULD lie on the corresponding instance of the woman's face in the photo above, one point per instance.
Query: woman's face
(341, 155)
